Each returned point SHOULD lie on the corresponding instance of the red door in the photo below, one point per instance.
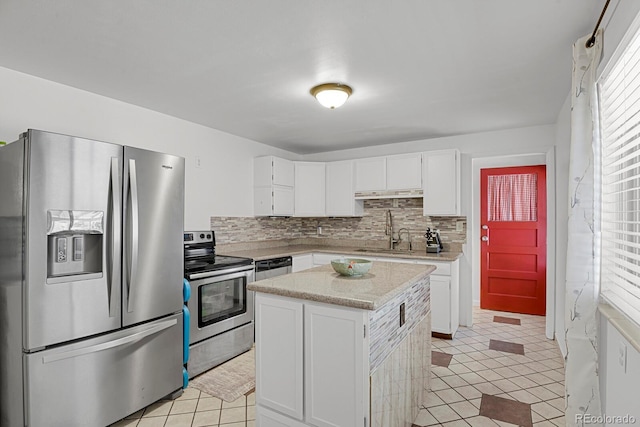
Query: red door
(513, 231)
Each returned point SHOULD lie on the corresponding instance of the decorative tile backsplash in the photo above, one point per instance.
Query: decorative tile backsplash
(370, 227)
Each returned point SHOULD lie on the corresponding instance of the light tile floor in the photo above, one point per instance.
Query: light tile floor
(535, 378)
(195, 409)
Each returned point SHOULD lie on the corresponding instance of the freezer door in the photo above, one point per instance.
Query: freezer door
(153, 265)
(72, 283)
(98, 381)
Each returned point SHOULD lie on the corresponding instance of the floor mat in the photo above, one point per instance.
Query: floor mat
(231, 380)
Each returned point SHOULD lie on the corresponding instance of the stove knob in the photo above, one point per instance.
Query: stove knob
(208, 236)
(202, 235)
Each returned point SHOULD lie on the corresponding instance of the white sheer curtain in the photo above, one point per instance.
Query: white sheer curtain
(581, 326)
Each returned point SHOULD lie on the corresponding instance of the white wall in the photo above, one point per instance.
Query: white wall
(488, 147)
(563, 143)
(221, 186)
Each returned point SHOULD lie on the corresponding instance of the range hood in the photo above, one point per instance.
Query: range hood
(388, 194)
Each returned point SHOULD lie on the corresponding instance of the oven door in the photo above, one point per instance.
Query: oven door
(220, 303)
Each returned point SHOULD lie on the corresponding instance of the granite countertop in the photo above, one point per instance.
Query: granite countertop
(280, 251)
(322, 284)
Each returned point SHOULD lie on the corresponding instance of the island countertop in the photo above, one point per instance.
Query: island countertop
(322, 284)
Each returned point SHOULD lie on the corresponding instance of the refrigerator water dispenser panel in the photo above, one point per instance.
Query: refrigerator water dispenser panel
(75, 241)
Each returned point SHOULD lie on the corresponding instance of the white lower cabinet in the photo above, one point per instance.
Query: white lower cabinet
(334, 385)
(440, 291)
(301, 262)
(445, 297)
(335, 379)
(279, 354)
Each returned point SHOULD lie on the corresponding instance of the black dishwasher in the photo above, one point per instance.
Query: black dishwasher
(268, 268)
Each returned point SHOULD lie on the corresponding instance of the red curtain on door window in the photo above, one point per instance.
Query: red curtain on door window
(512, 197)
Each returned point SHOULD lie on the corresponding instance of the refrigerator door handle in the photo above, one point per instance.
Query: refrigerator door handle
(115, 213)
(133, 183)
(166, 324)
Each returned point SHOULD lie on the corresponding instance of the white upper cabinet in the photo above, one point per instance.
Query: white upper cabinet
(283, 172)
(404, 172)
(339, 190)
(441, 183)
(371, 174)
(273, 180)
(270, 170)
(309, 189)
(390, 173)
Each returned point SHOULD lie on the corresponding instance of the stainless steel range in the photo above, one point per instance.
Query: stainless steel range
(221, 324)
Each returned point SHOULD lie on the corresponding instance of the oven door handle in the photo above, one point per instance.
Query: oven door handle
(226, 274)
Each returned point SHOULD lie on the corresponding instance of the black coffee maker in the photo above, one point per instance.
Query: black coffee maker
(434, 244)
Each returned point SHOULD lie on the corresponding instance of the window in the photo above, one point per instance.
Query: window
(512, 197)
(619, 157)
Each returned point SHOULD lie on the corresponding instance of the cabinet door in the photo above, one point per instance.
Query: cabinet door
(282, 200)
(335, 381)
(262, 171)
(340, 190)
(279, 343)
(441, 304)
(309, 189)
(371, 174)
(262, 201)
(301, 262)
(441, 182)
(283, 172)
(404, 172)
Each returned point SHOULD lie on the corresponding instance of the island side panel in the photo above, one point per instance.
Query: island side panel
(400, 356)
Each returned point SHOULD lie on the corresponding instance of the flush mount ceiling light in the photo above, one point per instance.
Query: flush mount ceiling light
(331, 95)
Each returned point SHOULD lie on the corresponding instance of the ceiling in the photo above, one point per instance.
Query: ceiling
(419, 69)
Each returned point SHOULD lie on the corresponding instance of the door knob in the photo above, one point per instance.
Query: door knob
(485, 238)
(485, 227)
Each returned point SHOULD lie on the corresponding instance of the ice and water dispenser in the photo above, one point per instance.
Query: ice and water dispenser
(75, 240)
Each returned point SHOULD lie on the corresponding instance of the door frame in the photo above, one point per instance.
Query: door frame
(531, 159)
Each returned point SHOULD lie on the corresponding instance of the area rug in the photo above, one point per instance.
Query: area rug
(231, 380)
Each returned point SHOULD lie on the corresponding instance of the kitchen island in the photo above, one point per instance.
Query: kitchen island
(343, 351)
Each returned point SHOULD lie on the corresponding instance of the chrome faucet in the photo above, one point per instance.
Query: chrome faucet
(388, 229)
(408, 236)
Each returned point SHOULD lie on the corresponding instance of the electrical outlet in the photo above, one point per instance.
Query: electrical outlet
(319, 230)
(395, 203)
(622, 356)
(459, 226)
(198, 162)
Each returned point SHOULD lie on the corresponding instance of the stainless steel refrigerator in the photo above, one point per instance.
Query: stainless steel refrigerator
(91, 270)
